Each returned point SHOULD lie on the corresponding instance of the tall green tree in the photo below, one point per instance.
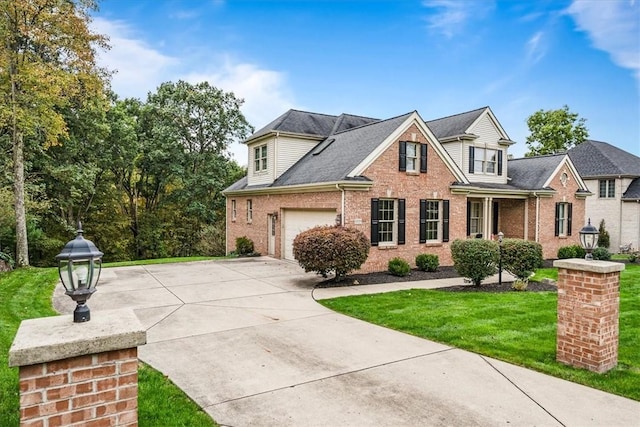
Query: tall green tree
(47, 60)
(554, 131)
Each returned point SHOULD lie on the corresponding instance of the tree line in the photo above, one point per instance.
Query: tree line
(145, 177)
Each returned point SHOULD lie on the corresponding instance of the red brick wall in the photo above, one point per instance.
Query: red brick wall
(588, 310)
(92, 391)
(511, 217)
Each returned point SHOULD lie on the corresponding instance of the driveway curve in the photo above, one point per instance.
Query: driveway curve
(246, 341)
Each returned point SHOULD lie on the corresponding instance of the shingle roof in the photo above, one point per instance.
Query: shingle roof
(454, 125)
(633, 191)
(595, 159)
(315, 124)
(530, 173)
(334, 158)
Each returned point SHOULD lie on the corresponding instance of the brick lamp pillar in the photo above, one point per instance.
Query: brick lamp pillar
(79, 374)
(588, 311)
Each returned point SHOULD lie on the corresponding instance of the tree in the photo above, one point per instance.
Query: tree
(554, 131)
(47, 60)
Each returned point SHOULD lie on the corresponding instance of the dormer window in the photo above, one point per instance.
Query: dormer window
(260, 158)
(485, 161)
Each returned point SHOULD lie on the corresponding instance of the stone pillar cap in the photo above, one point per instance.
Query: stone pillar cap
(55, 338)
(592, 266)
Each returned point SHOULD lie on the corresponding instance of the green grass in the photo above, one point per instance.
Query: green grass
(26, 294)
(517, 327)
(161, 261)
(545, 273)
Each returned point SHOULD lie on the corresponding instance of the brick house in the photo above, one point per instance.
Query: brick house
(613, 175)
(411, 186)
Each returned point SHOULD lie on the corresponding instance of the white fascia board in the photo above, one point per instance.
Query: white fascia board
(274, 133)
(566, 162)
(431, 139)
(499, 193)
(487, 111)
(303, 188)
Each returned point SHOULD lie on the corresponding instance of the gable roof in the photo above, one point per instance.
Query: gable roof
(454, 125)
(594, 159)
(532, 173)
(333, 159)
(311, 124)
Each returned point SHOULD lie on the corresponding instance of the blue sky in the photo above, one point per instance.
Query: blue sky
(385, 58)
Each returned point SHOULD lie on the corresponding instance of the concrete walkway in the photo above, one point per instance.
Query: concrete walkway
(245, 339)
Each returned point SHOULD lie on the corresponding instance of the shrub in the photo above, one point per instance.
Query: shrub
(244, 245)
(633, 257)
(521, 257)
(475, 259)
(603, 237)
(427, 262)
(331, 249)
(571, 251)
(601, 254)
(399, 267)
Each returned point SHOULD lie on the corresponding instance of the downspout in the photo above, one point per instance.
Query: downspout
(537, 216)
(342, 205)
(226, 226)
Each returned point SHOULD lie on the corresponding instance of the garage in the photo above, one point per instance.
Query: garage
(296, 221)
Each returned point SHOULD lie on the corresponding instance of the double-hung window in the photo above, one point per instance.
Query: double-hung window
(233, 210)
(485, 161)
(412, 157)
(260, 158)
(607, 188)
(249, 210)
(563, 219)
(434, 221)
(413, 154)
(475, 218)
(387, 222)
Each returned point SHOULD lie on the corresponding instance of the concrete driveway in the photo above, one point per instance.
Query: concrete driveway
(245, 339)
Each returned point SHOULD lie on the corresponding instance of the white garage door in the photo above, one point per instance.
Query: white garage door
(296, 221)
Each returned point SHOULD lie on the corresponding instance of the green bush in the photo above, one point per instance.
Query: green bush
(399, 267)
(244, 246)
(475, 259)
(331, 249)
(571, 251)
(427, 262)
(601, 254)
(521, 257)
(603, 237)
(633, 257)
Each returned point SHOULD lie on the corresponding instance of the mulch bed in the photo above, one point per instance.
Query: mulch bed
(443, 272)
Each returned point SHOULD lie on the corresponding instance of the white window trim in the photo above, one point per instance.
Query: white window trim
(394, 222)
(437, 221)
(607, 193)
(563, 219)
(479, 218)
(260, 162)
(249, 211)
(234, 210)
(413, 162)
(484, 161)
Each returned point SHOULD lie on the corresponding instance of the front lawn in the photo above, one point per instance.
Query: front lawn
(26, 294)
(517, 327)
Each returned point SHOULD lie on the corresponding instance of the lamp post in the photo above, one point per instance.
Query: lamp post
(79, 266)
(589, 239)
(500, 238)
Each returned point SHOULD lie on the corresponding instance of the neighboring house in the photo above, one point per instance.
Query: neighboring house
(411, 186)
(613, 175)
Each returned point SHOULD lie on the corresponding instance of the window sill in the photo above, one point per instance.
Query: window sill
(433, 244)
(386, 247)
(413, 173)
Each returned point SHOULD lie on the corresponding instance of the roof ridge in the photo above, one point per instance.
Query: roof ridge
(540, 156)
(459, 114)
(311, 112)
(377, 121)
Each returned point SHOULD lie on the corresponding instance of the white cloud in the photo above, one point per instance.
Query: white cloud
(265, 93)
(614, 27)
(536, 47)
(450, 16)
(139, 68)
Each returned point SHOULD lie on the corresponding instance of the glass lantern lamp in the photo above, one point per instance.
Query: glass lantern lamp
(589, 239)
(79, 266)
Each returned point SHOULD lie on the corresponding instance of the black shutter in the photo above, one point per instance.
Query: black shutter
(472, 153)
(401, 221)
(374, 222)
(423, 158)
(403, 156)
(423, 221)
(496, 210)
(469, 217)
(556, 231)
(499, 162)
(445, 220)
(569, 215)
